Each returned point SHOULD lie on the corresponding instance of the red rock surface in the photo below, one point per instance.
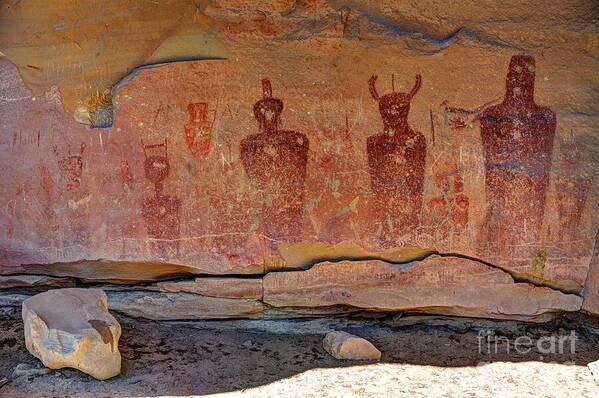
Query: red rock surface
(269, 158)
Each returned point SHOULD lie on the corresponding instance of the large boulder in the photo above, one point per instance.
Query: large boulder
(73, 328)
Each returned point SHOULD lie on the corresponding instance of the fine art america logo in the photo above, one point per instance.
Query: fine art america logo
(489, 343)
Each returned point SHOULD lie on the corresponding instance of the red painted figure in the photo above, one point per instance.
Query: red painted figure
(517, 137)
(161, 212)
(198, 129)
(460, 204)
(126, 175)
(449, 210)
(396, 160)
(275, 161)
(72, 168)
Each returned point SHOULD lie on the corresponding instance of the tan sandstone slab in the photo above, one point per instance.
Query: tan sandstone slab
(119, 272)
(235, 288)
(181, 306)
(73, 328)
(442, 285)
(35, 281)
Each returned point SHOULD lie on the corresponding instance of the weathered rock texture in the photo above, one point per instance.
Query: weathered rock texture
(73, 328)
(35, 281)
(343, 345)
(181, 306)
(217, 287)
(52, 47)
(436, 285)
(329, 130)
(109, 271)
(591, 291)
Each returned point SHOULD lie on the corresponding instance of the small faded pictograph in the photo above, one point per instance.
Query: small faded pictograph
(572, 188)
(75, 196)
(449, 208)
(396, 161)
(517, 137)
(198, 129)
(47, 197)
(71, 166)
(126, 174)
(275, 161)
(161, 211)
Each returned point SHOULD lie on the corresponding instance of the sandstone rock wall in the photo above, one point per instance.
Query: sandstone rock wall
(326, 130)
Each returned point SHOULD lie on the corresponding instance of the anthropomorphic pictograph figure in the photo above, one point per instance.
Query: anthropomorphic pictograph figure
(396, 160)
(198, 129)
(160, 212)
(517, 137)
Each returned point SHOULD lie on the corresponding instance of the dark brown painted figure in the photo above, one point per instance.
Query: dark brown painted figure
(161, 212)
(396, 160)
(198, 129)
(275, 161)
(517, 137)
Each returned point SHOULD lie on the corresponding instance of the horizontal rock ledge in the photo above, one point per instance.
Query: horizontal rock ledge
(439, 285)
(436, 285)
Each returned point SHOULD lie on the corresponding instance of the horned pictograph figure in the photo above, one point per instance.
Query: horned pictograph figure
(275, 161)
(396, 160)
(517, 137)
(161, 211)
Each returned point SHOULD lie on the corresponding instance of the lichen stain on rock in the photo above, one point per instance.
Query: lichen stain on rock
(538, 264)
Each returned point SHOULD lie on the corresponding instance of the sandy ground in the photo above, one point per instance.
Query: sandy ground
(421, 357)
